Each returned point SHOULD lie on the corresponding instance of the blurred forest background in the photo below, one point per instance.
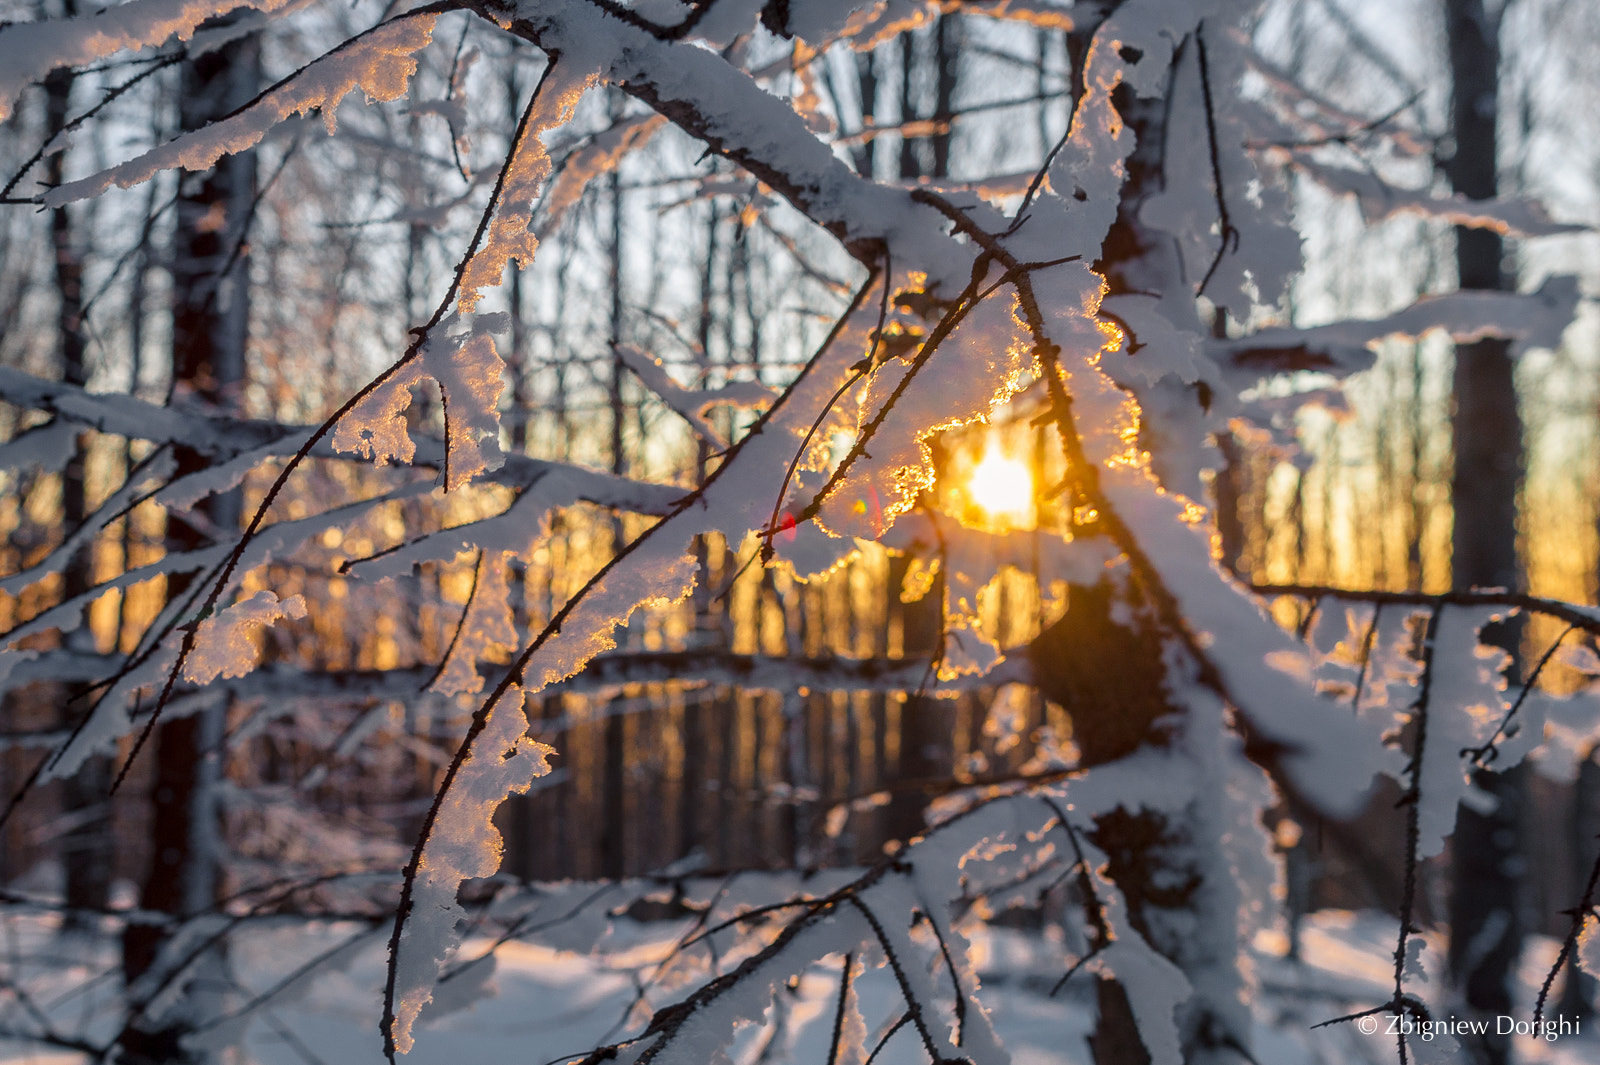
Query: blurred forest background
(761, 722)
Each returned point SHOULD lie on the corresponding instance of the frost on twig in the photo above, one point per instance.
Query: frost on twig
(31, 50)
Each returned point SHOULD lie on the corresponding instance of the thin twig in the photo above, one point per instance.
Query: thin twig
(883, 1041)
(1366, 657)
(461, 623)
(1580, 915)
(913, 1006)
(158, 63)
(1489, 750)
(867, 365)
(839, 1014)
(1413, 803)
(1229, 234)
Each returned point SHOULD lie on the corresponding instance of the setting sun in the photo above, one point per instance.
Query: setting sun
(1003, 487)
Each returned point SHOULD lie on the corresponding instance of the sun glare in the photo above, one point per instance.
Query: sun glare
(1003, 488)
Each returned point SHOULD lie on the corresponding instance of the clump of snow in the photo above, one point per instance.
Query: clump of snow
(470, 374)
(224, 645)
(471, 377)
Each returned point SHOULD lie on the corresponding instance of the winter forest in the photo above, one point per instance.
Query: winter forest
(832, 532)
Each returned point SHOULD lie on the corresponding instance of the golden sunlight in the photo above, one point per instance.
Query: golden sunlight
(1003, 487)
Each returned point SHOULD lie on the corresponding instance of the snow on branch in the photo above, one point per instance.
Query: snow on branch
(45, 448)
(654, 568)
(909, 915)
(465, 843)
(237, 445)
(510, 235)
(470, 374)
(597, 155)
(714, 102)
(1534, 320)
(692, 404)
(1509, 216)
(225, 644)
(1583, 617)
(723, 108)
(992, 304)
(127, 416)
(30, 50)
(112, 715)
(379, 61)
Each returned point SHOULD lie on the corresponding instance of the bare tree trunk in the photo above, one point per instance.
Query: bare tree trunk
(1227, 488)
(87, 849)
(210, 327)
(614, 794)
(927, 741)
(1106, 663)
(867, 87)
(1485, 908)
(712, 628)
(910, 165)
(926, 724)
(947, 39)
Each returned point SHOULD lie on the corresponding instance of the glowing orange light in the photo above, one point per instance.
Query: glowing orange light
(1002, 487)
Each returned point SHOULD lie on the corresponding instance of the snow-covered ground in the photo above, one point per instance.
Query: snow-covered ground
(539, 1004)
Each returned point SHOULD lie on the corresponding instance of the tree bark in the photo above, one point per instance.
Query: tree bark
(614, 794)
(87, 849)
(210, 327)
(1105, 662)
(1486, 918)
